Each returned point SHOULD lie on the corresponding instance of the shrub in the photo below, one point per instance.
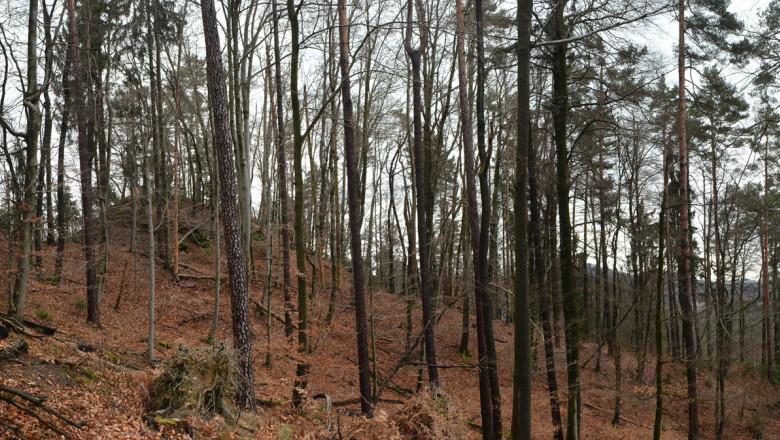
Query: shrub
(43, 314)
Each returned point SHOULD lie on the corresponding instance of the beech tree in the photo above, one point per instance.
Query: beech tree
(415, 56)
(533, 192)
(354, 216)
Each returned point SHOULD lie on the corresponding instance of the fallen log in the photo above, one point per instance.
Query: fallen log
(40, 328)
(273, 315)
(356, 401)
(37, 402)
(12, 324)
(87, 350)
(13, 428)
(591, 406)
(18, 347)
(201, 277)
(196, 318)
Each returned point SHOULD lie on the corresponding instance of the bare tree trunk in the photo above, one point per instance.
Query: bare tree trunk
(766, 327)
(545, 304)
(177, 111)
(425, 282)
(521, 398)
(571, 315)
(659, 302)
(364, 372)
(302, 369)
(150, 220)
(66, 104)
(484, 232)
(281, 158)
(480, 291)
(85, 159)
(217, 260)
(684, 272)
(44, 168)
(228, 207)
(134, 217)
(47, 14)
(33, 114)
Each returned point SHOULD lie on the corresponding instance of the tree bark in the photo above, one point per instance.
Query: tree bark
(415, 56)
(27, 208)
(560, 110)
(484, 235)
(486, 409)
(228, 206)
(684, 272)
(521, 393)
(63, 136)
(281, 158)
(545, 304)
(85, 160)
(358, 285)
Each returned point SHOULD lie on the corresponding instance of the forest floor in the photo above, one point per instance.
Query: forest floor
(100, 376)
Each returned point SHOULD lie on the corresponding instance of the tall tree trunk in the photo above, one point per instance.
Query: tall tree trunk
(302, 368)
(684, 272)
(47, 14)
(228, 206)
(606, 321)
(659, 302)
(480, 290)
(415, 56)
(134, 216)
(85, 159)
(766, 326)
(160, 157)
(150, 220)
(545, 304)
(281, 158)
(484, 236)
(358, 285)
(217, 260)
(63, 136)
(33, 114)
(44, 168)
(560, 110)
(521, 393)
(176, 130)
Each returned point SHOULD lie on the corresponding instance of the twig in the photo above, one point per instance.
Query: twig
(274, 315)
(357, 400)
(16, 326)
(590, 405)
(31, 412)
(201, 277)
(195, 318)
(14, 429)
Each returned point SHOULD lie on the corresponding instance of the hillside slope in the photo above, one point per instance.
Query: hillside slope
(100, 376)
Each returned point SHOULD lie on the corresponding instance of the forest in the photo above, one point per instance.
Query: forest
(390, 219)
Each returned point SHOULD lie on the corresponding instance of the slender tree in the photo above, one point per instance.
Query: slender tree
(560, 113)
(521, 392)
(684, 269)
(85, 160)
(485, 401)
(354, 216)
(281, 158)
(415, 55)
(228, 206)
